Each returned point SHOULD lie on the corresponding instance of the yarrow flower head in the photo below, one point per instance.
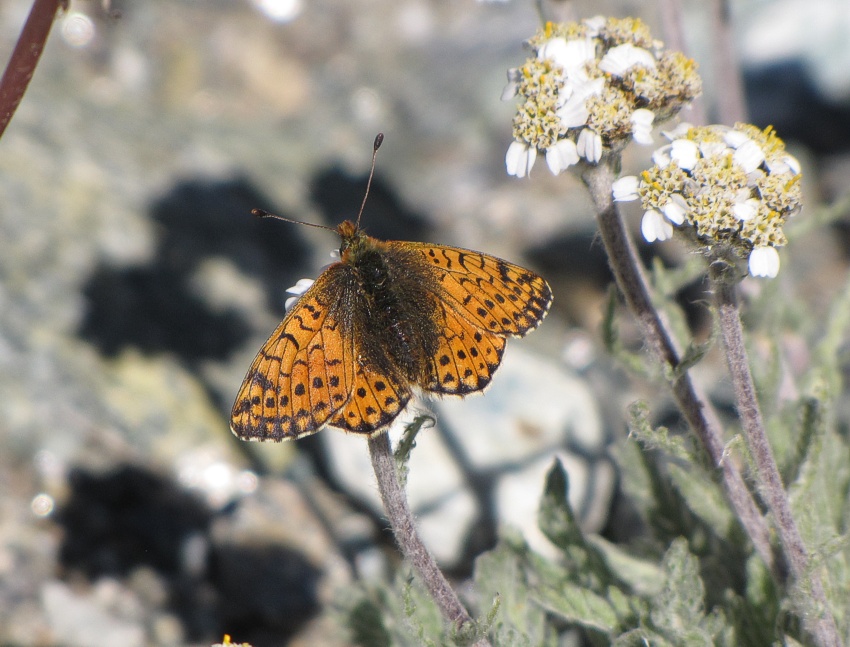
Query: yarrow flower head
(729, 189)
(590, 88)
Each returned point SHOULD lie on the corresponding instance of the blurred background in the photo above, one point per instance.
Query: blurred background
(135, 288)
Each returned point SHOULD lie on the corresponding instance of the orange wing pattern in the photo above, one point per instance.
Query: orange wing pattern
(492, 294)
(302, 375)
(467, 355)
(321, 365)
(375, 402)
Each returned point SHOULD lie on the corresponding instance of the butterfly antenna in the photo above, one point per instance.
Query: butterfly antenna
(262, 213)
(379, 139)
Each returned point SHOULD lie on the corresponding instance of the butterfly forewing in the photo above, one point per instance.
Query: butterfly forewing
(305, 371)
(490, 293)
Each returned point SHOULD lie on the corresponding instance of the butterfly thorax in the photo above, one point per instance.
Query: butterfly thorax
(396, 307)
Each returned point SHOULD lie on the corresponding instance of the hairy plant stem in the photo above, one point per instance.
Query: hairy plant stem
(693, 403)
(25, 57)
(404, 528)
(820, 625)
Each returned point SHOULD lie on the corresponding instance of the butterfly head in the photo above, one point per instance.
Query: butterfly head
(354, 241)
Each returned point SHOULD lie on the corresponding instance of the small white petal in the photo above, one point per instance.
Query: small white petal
(594, 25)
(764, 261)
(561, 156)
(620, 59)
(783, 164)
(578, 52)
(675, 209)
(570, 55)
(748, 156)
(755, 178)
(576, 77)
(661, 157)
(552, 49)
(679, 132)
(510, 91)
(589, 145)
(642, 125)
(573, 113)
(654, 226)
(520, 159)
(626, 188)
(793, 163)
(301, 286)
(585, 88)
(298, 289)
(746, 210)
(712, 149)
(684, 153)
(735, 138)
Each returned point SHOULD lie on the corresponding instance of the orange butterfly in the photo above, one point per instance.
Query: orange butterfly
(387, 317)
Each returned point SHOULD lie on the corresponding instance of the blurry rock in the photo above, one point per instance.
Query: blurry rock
(484, 465)
(89, 619)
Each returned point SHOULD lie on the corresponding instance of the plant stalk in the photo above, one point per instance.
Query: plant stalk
(404, 528)
(25, 57)
(822, 625)
(695, 406)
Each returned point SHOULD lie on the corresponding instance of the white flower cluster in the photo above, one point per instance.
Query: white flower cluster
(592, 87)
(729, 188)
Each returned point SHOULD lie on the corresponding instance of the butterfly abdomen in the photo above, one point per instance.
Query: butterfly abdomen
(398, 313)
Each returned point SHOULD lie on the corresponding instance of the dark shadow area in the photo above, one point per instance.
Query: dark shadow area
(153, 307)
(577, 261)
(339, 196)
(577, 255)
(125, 518)
(784, 96)
(116, 521)
(265, 593)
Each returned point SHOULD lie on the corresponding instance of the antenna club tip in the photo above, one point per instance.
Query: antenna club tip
(259, 213)
(379, 139)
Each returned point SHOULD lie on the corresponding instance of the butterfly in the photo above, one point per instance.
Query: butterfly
(389, 317)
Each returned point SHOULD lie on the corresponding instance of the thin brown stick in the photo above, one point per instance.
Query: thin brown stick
(820, 625)
(25, 57)
(693, 403)
(404, 528)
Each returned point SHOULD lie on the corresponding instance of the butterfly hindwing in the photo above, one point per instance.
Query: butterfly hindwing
(375, 402)
(303, 374)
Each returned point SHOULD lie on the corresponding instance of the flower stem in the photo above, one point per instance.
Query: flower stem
(820, 625)
(25, 57)
(404, 528)
(700, 415)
